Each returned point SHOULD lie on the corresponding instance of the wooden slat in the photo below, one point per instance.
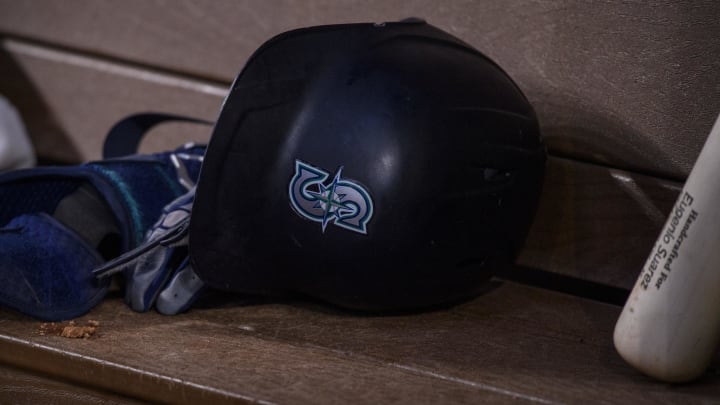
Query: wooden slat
(513, 343)
(625, 83)
(70, 101)
(597, 223)
(18, 386)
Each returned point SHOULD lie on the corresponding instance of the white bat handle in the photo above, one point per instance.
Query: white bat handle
(670, 325)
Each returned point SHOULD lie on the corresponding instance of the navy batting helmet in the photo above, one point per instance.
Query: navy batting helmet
(374, 166)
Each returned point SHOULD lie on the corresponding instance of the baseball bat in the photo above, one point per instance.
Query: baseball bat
(670, 326)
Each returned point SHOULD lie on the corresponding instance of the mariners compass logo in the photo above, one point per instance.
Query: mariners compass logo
(341, 201)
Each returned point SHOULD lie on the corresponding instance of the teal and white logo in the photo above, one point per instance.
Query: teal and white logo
(342, 202)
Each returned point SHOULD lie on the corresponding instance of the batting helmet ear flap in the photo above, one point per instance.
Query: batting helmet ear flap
(372, 166)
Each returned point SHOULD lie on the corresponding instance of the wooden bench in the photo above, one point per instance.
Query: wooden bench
(626, 94)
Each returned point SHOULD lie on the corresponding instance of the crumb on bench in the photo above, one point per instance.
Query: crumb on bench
(69, 329)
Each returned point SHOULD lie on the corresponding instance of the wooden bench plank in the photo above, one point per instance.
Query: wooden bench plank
(628, 84)
(513, 343)
(21, 387)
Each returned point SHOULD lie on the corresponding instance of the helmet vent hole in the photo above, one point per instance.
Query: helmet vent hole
(495, 175)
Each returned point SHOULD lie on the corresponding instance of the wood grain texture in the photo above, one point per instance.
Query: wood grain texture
(630, 84)
(513, 344)
(70, 101)
(19, 386)
(597, 223)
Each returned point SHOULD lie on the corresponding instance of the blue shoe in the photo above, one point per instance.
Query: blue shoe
(59, 223)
